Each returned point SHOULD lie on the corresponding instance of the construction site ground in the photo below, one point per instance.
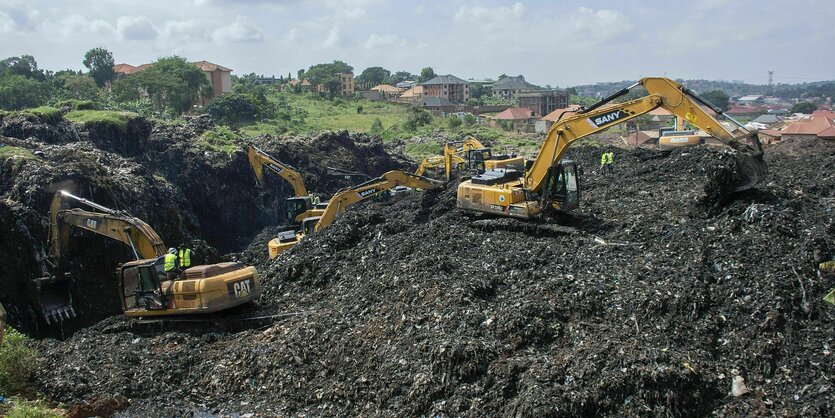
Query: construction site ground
(661, 296)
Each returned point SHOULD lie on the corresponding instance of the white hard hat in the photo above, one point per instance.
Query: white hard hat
(172, 250)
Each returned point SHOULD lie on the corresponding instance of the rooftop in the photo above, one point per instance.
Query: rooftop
(512, 83)
(515, 113)
(435, 101)
(444, 79)
(820, 122)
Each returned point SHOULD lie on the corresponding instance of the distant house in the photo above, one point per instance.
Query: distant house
(543, 102)
(449, 87)
(414, 93)
(744, 111)
(751, 99)
(544, 124)
(219, 76)
(821, 124)
(405, 84)
(769, 136)
(522, 117)
(346, 84)
(304, 84)
(435, 103)
(386, 91)
(639, 138)
(767, 119)
(508, 87)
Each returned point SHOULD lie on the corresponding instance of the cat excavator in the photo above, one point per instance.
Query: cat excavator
(298, 207)
(345, 198)
(143, 287)
(471, 156)
(550, 183)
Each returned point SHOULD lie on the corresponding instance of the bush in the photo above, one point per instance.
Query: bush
(17, 362)
(454, 122)
(231, 109)
(359, 109)
(417, 117)
(470, 119)
(31, 409)
(376, 127)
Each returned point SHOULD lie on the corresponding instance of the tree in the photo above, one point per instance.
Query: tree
(478, 90)
(417, 117)
(326, 76)
(426, 74)
(24, 65)
(718, 98)
(373, 76)
(100, 63)
(400, 76)
(20, 92)
(69, 85)
(803, 107)
(233, 108)
(171, 83)
(376, 127)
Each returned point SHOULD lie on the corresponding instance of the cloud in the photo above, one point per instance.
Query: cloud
(76, 24)
(478, 13)
(18, 17)
(333, 37)
(381, 41)
(601, 24)
(137, 28)
(185, 31)
(242, 30)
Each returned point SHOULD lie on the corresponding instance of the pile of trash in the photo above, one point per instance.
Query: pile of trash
(159, 173)
(659, 296)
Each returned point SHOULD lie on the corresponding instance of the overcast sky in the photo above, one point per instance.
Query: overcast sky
(561, 43)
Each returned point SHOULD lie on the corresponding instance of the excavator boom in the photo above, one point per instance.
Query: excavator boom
(259, 159)
(506, 192)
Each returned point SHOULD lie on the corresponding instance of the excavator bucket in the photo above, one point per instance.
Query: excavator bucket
(52, 298)
(752, 168)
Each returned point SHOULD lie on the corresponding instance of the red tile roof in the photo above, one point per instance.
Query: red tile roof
(818, 123)
(555, 115)
(515, 113)
(124, 69)
(828, 133)
(210, 66)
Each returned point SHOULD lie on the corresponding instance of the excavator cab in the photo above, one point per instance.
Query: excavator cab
(295, 206)
(476, 158)
(562, 188)
(309, 224)
(141, 285)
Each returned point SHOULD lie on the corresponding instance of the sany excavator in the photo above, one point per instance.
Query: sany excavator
(469, 155)
(298, 207)
(347, 197)
(143, 286)
(550, 184)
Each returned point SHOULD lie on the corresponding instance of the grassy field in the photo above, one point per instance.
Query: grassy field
(308, 113)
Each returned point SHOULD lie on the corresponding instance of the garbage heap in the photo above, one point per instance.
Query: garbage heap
(658, 297)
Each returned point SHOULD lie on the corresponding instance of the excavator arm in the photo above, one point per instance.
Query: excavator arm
(142, 239)
(259, 159)
(51, 293)
(663, 92)
(347, 197)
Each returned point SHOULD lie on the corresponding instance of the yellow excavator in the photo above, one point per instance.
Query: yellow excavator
(298, 207)
(143, 287)
(550, 184)
(469, 155)
(347, 197)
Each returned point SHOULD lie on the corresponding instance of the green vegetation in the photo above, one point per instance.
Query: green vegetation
(31, 409)
(45, 113)
(17, 362)
(119, 120)
(803, 107)
(221, 139)
(171, 83)
(75, 104)
(10, 152)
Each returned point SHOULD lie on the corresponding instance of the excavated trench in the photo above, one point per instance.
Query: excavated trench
(160, 174)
